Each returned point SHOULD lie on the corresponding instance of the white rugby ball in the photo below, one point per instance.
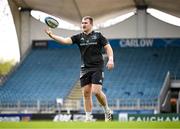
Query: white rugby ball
(51, 22)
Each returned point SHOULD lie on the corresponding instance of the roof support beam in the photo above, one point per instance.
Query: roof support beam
(141, 4)
(77, 8)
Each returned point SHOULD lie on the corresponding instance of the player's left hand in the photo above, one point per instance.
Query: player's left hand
(110, 64)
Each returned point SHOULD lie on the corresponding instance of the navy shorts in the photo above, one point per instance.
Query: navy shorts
(92, 77)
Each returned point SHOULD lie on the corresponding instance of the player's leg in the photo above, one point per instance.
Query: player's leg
(87, 98)
(87, 95)
(97, 80)
(101, 97)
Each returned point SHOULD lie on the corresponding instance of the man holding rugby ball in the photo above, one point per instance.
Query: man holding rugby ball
(90, 44)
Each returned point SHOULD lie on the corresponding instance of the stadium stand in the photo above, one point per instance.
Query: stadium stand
(47, 74)
(140, 72)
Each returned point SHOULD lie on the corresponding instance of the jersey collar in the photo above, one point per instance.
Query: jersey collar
(89, 33)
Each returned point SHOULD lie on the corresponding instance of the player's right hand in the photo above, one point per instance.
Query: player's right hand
(49, 32)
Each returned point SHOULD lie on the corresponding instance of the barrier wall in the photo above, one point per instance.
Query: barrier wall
(122, 117)
(158, 42)
(148, 117)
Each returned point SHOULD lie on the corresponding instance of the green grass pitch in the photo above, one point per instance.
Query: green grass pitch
(89, 125)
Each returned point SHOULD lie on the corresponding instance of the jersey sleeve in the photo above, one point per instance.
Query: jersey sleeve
(103, 40)
(75, 39)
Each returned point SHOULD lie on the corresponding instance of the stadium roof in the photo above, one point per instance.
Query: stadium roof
(73, 10)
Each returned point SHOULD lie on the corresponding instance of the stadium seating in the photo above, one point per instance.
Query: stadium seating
(45, 74)
(140, 72)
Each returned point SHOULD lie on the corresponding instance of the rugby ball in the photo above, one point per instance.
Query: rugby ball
(51, 22)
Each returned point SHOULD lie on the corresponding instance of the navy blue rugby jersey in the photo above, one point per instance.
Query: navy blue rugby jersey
(90, 46)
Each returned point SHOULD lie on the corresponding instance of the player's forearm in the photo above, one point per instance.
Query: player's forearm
(60, 39)
(109, 52)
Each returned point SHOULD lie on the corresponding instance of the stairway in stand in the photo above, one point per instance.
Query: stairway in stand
(73, 100)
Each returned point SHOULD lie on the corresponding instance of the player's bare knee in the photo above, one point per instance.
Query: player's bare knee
(97, 93)
(87, 94)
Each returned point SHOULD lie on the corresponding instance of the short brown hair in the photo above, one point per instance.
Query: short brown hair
(90, 19)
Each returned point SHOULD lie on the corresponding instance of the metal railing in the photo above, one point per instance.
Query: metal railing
(52, 106)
